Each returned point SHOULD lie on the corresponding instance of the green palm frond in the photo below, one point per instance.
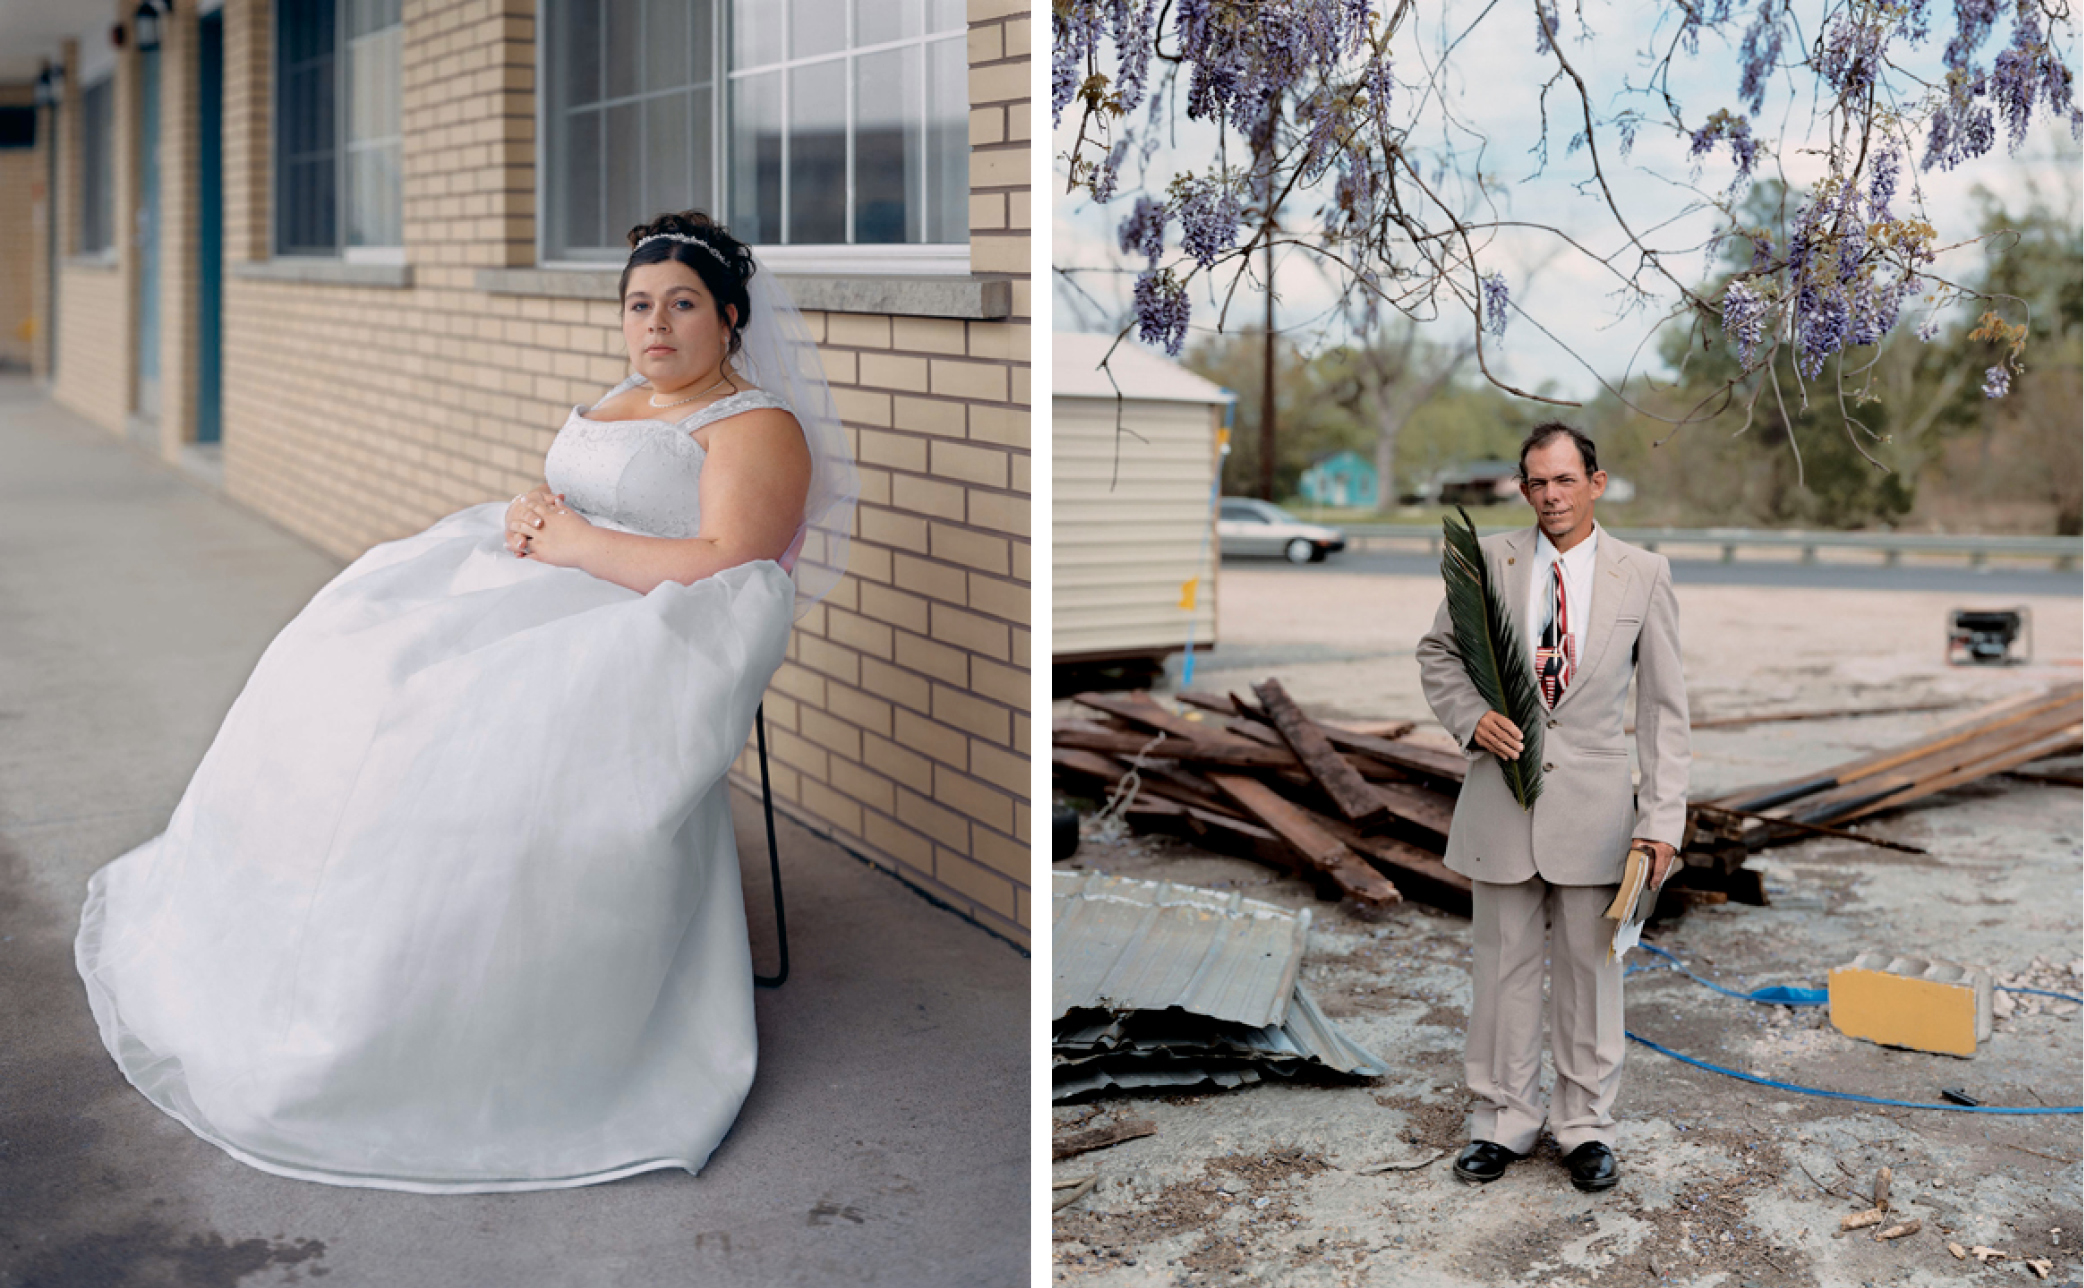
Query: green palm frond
(1491, 651)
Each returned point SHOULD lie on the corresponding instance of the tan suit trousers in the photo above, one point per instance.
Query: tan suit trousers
(1513, 925)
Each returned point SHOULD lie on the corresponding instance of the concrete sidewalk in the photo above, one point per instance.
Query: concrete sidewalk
(885, 1141)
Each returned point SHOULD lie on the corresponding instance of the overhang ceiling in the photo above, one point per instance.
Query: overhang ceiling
(34, 30)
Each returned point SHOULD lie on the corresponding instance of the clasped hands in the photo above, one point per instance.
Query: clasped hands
(542, 528)
(1501, 737)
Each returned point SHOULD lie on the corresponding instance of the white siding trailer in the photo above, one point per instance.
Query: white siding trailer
(1133, 509)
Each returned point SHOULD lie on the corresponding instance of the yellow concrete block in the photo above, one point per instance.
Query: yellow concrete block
(1912, 1002)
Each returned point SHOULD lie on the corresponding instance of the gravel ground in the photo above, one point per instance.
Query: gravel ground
(1725, 1182)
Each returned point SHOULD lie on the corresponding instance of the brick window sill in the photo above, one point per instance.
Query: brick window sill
(328, 272)
(982, 299)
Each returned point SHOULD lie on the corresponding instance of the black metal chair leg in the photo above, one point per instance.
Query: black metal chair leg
(781, 925)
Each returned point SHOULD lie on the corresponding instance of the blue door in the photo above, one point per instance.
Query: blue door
(209, 384)
(148, 235)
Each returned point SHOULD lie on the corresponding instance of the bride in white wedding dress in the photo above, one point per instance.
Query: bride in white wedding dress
(451, 904)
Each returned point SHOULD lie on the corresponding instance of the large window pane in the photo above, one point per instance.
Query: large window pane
(668, 179)
(817, 27)
(629, 119)
(97, 170)
(374, 199)
(625, 181)
(666, 64)
(578, 180)
(886, 144)
(702, 152)
(947, 150)
(817, 193)
(756, 33)
(821, 146)
(623, 38)
(879, 21)
(374, 143)
(756, 158)
(577, 78)
(308, 128)
(702, 25)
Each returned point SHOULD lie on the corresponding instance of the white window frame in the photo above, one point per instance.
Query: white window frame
(893, 259)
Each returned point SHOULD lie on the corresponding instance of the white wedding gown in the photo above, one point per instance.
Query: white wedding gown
(452, 902)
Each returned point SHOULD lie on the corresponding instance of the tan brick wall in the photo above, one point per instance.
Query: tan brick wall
(43, 213)
(96, 308)
(180, 238)
(355, 414)
(93, 330)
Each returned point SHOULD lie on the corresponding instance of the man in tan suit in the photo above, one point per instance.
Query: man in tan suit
(1595, 613)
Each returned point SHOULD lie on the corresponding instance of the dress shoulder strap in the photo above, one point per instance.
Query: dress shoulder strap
(731, 405)
(634, 379)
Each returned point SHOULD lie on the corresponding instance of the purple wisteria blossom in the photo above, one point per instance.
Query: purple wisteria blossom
(1497, 302)
(1928, 331)
(1881, 184)
(1546, 20)
(1997, 381)
(1143, 232)
(1209, 213)
(1973, 20)
(1759, 55)
(1108, 172)
(1161, 310)
(1851, 56)
(1302, 96)
(1743, 320)
(1743, 148)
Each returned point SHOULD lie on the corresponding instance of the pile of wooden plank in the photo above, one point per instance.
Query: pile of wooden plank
(1362, 815)
(1365, 815)
(1994, 739)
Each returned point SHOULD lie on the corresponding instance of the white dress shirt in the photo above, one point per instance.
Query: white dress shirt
(1577, 563)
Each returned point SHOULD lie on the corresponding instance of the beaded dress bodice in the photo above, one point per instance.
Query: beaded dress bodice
(640, 475)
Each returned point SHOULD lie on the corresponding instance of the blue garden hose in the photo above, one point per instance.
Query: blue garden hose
(1780, 995)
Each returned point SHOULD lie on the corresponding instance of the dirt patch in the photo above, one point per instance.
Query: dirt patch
(1431, 1125)
(1238, 1204)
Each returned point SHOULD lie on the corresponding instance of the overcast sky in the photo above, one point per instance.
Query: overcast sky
(1493, 88)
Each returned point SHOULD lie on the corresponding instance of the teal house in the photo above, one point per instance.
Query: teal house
(1344, 479)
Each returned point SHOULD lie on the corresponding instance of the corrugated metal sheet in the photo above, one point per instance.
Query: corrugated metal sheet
(1124, 945)
(1306, 1036)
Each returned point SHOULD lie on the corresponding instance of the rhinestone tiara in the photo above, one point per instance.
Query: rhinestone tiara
(682, 237)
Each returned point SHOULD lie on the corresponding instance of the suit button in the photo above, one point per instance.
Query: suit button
(1548, 769)
(1552, 724)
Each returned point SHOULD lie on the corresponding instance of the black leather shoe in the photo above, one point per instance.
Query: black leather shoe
(1592, 1167)
(1484, 1161)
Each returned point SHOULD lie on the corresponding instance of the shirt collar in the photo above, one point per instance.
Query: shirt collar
(1580, 554)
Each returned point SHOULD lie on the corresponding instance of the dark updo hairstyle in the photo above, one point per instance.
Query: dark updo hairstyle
(725, 273)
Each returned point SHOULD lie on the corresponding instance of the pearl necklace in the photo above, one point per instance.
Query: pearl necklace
(653, 399)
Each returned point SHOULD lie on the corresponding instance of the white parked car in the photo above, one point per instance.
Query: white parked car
(1253, 527)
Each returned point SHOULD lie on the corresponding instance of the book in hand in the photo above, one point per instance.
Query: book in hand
(1632, 902)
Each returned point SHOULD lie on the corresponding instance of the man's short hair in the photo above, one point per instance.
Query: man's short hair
(1553, 429)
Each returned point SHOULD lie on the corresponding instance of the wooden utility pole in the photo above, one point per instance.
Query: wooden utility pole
(1266, 384)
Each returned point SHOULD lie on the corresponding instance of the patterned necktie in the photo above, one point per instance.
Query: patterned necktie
(1555, 659)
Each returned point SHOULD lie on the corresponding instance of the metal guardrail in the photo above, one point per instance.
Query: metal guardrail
(2064, 552)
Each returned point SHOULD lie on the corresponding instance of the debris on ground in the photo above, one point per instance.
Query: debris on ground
(1085, 1142)
(1158, 984)
(1365, 815)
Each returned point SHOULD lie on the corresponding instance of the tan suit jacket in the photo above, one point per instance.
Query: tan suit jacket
(1579, 829)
